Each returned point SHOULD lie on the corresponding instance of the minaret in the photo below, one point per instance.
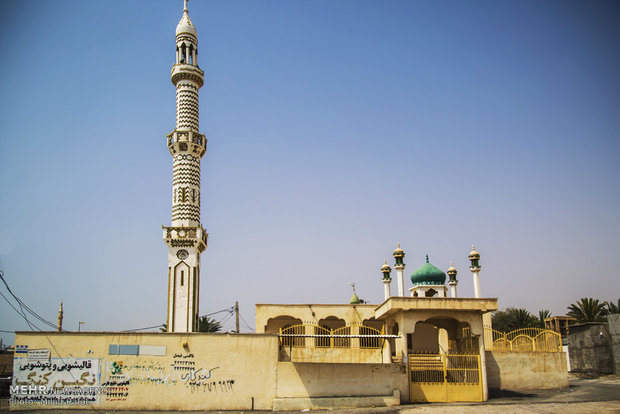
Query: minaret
(399, 255)
(186, 238)
(60, 317)
(475, 267)
(452, 282)
(385, 269)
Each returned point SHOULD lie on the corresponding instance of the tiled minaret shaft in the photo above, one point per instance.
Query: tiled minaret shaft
(186, 239)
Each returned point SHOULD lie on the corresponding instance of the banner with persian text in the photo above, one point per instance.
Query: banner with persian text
(55, 381)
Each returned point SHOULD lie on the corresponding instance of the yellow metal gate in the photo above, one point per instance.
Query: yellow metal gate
(440, 378)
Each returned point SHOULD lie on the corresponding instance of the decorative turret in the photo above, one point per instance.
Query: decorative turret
(427, 281)
(186, 238)
(474, 257)
(354, 299)
(452, 282)
(475, 267)
(399, 255)
(385, 269)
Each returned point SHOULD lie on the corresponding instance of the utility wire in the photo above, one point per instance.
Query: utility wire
(23, 306)
(21, 313)
(143, 329)
(246, 324)
(231, 309)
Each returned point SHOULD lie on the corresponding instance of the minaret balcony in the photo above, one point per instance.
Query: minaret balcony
(193, 237)
(183, 71)
(183, 142)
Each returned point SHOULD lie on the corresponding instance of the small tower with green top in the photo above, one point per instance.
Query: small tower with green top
(399, 255)
(386, 270)
(354, 299)
(452, 281)
(474, 258)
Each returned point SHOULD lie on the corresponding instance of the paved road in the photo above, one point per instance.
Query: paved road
(601, 395)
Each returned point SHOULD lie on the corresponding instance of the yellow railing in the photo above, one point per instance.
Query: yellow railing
(354, 335)
(524, 340)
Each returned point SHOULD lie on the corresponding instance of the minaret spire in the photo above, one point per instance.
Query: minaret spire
(186, 238)
(399, 255)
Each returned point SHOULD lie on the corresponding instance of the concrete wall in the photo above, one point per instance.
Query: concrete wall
(590, 349)
(167, 371)
(526, 370)
(298, 380)
(335, 355)
(613, 322)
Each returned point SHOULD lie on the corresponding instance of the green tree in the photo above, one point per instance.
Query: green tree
(542, 315)
(587, 310)
(512, 319)
(612, 308)
(206, 324)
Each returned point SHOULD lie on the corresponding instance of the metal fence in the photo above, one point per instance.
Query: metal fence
(307, 335)
(523, 340)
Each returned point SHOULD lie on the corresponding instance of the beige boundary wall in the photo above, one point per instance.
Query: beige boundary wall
(181, 371)
(526, 370)
(172, 371)
(300, 380)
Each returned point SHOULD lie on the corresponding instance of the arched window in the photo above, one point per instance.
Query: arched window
(183, 53)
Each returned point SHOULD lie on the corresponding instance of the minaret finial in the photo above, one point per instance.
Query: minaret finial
(185, 9)
(353, 285)
(427, 258)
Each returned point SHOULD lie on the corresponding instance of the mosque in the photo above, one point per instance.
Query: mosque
(417, 346)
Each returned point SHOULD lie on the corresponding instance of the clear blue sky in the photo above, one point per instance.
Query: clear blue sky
(336, 129)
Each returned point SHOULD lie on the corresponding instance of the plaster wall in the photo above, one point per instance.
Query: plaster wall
(183, 371)
(590, 349)
(335, 355)
(299, 380)
(526, 370)
(613, 322)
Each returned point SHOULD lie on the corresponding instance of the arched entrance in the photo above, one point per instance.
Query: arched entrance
(443, 363)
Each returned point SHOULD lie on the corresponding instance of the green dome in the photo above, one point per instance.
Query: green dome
(428, 275)
(354, 299)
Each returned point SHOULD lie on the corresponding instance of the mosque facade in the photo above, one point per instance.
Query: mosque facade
(423, 343)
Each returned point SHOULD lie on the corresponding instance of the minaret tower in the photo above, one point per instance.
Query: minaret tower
(475, 267)
(385, 269)
(186, 238)
(452, 282)
(399, 255)
(60, 313)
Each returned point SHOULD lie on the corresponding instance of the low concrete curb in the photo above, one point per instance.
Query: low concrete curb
(327, 403)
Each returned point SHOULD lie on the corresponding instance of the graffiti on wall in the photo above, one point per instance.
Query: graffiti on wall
(61, 381)
(198, 378)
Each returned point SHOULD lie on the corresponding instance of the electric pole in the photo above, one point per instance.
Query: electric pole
(237, 316)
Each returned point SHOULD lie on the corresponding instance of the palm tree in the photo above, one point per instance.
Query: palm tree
(206, 324)
(542, 315)
(512, 319)
(587, 310)
(612, 308)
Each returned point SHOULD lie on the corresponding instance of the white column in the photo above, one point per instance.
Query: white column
(476, 283)
(400, 279)
(386, 288)
(453, 290)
